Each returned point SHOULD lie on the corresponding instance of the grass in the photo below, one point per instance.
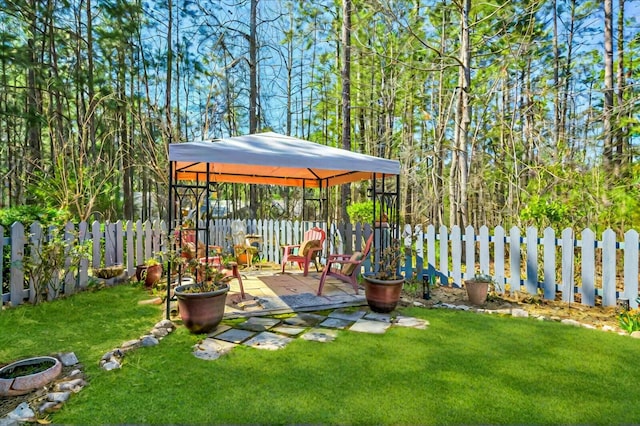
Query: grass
(465, 368)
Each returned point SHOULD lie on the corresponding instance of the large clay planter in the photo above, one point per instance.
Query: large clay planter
(477, 291)
(20, 385)
(201, 312)
(382, 295)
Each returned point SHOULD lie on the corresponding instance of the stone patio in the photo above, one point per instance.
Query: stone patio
(269, 292)
(273, 333)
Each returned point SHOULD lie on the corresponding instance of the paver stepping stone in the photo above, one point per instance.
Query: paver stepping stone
(210, 349)
(289, 330)
(411, 322)
(272, 303)
(320, 335)
(347, 298)
(268, 340)
(304, 319)
(335, 323)
(221, 328)
(259, 323)
(301, 300)
(369, 326)
(347, 314)
(374, 316)
(235, 335)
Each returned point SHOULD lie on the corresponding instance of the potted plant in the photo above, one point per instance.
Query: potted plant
(383, 287)
(150, 272)
(201, 305)
(478, 288)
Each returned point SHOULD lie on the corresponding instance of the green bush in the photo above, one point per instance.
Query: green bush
(29, 214)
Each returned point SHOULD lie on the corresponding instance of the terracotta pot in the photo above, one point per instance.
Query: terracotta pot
(382, 295)
(201, 312)
(154, 273)
(477, 291)
(140, 271)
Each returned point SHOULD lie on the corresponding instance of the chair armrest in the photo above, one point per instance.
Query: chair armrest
(289, 249)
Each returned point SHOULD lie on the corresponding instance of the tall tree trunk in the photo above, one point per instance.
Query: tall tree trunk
(346, 98)
(34, 96)
(620, 127)
(168, 86)
(459, 174)
(610, 160)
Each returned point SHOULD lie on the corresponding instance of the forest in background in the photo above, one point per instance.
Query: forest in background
(520, 112)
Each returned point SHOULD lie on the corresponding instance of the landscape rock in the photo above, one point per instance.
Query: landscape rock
(58, 396)
(68, 359)
(519, 313)
(147, 341)
(22, 413)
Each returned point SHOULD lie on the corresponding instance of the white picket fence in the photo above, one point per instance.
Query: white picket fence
(542, 264)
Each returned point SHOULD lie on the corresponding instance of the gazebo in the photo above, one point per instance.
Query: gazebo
(196, 168)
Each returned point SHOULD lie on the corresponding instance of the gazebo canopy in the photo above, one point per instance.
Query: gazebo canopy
(275, 159)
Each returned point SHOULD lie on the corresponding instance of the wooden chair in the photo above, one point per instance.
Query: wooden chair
(242, 249)
(345, 267)
(305, 252)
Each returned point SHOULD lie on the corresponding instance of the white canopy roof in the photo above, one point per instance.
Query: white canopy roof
(271, 158)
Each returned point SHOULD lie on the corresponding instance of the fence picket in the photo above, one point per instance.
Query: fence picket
(609, 268)
(514, 258)
(567, 265)
(419, 251)
(139, 243)
(130, 264)
(631, 268)
(587, 290)
(498, 257)
(456, 256)
(484, 253)
(469, 252)
(16, 274)
(549, 263)
(444, 256)
(69, 286)
(532, 260)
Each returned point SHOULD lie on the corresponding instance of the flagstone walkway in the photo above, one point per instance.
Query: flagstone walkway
(273, 333)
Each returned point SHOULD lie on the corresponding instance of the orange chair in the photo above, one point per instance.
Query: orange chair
(345, 267)
(305, 252)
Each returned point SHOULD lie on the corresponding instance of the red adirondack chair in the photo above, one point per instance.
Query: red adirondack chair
(305, 252)
(345, 267)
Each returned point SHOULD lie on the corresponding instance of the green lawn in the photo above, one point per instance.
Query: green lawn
(465, 368)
